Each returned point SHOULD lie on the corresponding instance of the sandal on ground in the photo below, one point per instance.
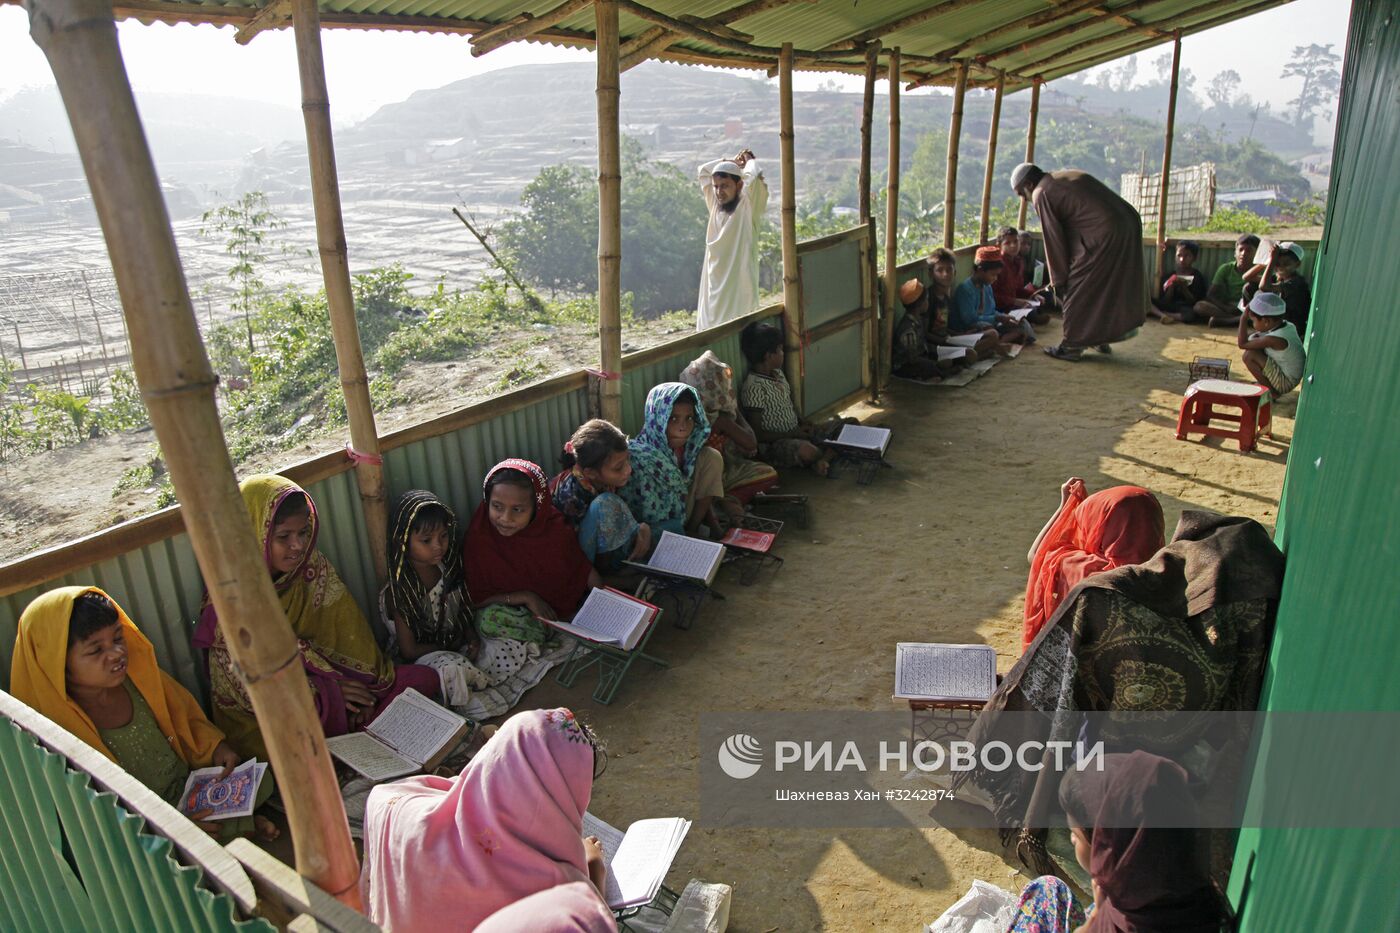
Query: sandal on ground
(1061, 353)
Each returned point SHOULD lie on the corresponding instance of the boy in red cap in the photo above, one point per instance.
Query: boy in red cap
(974, 307)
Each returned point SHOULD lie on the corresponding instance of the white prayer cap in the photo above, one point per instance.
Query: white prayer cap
(1019, 173)
(1267, 304)
(728, 168)
(1293, 248)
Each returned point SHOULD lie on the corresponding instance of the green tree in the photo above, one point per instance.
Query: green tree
(1223, 88)
(554, 239)
(1317, 66)
(245, 225)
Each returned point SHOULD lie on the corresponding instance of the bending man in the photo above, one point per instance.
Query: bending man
(736, 195)
(1093, 250)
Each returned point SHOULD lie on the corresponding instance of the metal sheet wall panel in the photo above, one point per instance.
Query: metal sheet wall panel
(73, 858)
(833, 368)
(831, 280)
(1336, 638)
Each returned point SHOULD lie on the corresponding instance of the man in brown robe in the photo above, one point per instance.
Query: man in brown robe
(1093, 250)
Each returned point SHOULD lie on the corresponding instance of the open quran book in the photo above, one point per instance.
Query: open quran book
(609, 617)
(639, 858)
(859, 437)
(412, 734)
(944, 673)
(683, 558)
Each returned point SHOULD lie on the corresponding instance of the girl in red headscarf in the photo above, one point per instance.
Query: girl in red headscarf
(522, 557)
(1088, 535)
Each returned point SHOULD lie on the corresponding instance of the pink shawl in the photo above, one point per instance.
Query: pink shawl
(564, 908)
(454, 851)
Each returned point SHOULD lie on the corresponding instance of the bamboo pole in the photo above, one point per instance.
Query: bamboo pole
(79, 37)
(1030, 147)
(609, 213)
(794, 334)
(867, 115)
(335, 270)
(523, 26)
(891, 229)
(1167, 162)
(950, 190)
(991, 161)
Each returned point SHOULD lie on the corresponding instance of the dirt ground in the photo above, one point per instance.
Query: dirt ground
(934, 550)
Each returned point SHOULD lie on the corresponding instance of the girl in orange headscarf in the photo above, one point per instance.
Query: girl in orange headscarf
(1088, 535)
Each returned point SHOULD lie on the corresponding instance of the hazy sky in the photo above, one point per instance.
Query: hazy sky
(203, 59)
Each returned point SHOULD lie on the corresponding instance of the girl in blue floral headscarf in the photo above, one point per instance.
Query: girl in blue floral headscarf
(676, 480)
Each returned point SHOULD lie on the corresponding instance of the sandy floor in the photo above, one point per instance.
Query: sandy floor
(932, 551)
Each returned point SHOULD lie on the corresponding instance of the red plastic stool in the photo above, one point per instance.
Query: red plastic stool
(1251, 401)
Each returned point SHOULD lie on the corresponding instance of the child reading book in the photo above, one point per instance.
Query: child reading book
(1010, 288)
(677, 482)
(1273, 351)
(785, 439)
(597, 464)
(730, 433)
(942, 267)
(522, 558)
(1181, 289)
(974, 307)
(351, 679)
(1280, 276)
(915, 356)
(451, 852)
(82, 663)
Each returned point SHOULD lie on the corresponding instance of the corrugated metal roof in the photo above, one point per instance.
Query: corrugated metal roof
(1027, 38)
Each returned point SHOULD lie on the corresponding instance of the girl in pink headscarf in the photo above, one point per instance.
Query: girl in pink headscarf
(1112, 528)
(510, 825)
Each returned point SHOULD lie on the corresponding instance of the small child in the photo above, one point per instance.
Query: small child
(1221, 304)
(1181, 289)
(677, 482)
(597, 464)
(911, 358)
(1273, 351)
(1285, 282)
(974, 306)
(785, 439)
(942, 266)
(745, 476)
(523, 560)
(1010, 288)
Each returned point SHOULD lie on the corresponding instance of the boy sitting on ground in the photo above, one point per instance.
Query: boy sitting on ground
(1010, 288)
(1221, 304)
(1273, 351)
(784, 439)
(1181, 289)
(974, 307)
(914, 358)
(942, 266)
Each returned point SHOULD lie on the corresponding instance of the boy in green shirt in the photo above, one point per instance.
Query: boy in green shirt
(1221, 304)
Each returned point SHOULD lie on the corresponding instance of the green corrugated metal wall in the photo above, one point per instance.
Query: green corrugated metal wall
(71, 858)
(1338, 632)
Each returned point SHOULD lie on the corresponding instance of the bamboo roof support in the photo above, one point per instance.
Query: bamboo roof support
(982, 229)
(1030, 147)
(897, 25)
(867, 115)
(658, 39)
(79, 37)
(708, 36)
(609, 213)
(1030, 22)
(891, 289)
(274, 15)
(523, 26)
(1167, 161)
(335, 272)
(950, 190)
(794, 316)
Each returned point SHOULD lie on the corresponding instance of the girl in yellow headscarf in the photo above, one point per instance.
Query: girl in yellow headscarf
(351, 679)
(82, 663)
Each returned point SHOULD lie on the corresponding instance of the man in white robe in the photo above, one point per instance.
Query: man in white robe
(736, 195)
